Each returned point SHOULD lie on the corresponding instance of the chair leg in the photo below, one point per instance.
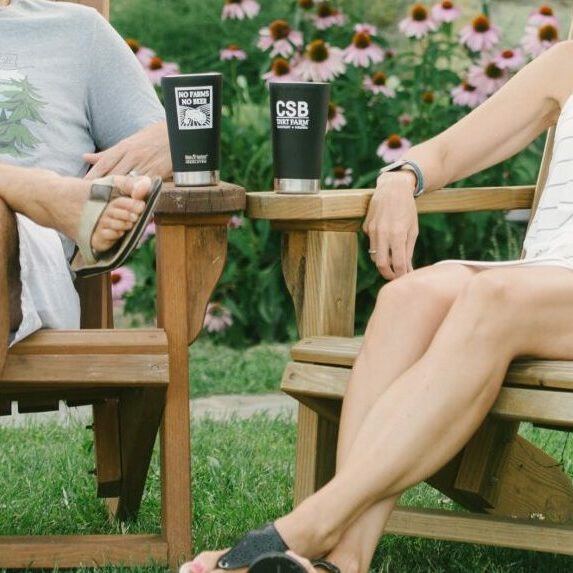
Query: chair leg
(315, 452)
(140, 416)
(107, 447)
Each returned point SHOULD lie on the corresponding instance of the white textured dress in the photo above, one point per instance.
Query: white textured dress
(549, 239)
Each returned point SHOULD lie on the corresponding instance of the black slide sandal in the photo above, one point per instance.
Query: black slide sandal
(282, 563)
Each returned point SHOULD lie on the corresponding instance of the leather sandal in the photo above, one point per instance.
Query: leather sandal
(264, 551)
(88, 262)
(282, 563)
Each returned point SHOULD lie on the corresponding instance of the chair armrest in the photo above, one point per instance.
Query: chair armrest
(181, 202)
(353, 203)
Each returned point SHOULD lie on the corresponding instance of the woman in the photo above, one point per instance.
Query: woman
(441, 338)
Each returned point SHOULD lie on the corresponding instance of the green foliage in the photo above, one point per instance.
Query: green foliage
(191, 32)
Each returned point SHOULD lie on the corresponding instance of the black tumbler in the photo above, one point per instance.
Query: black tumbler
(299, 112)
(193, 110)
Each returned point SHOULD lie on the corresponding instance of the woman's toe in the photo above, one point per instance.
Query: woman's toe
(205, 562)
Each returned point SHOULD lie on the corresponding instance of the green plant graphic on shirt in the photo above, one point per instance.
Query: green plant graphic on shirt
(20, 106)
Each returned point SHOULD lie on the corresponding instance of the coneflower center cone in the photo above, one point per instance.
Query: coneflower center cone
(419, 12)
(134, 45)
(493, 72)
(280, 67)
(447, 5)
(325, 10)
(361, 40)
(545, 10)
(507, 54)
(548, 33)
(317, 51)
(339, 172)
(279, 29)
(156, 63)
(481, 24)
(394, 141)
(379, 79)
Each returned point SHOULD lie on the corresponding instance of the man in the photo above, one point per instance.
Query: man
(69, 86)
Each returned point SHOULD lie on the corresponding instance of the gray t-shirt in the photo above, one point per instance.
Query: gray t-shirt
(69, 84)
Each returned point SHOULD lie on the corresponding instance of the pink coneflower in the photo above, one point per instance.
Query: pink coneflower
(157, 69)
(280, 38)
(405, 119)
(232, 52)
(510, 59)
(376, 83)
(487, 77)
(468, 95)
(370, 29)
(362, 52)
(418, 23)
(543, 15)
(122, 281)
(240, 9)
(445, 11)
(341, 177)
(336, 118)
(537, 40)
(392, 148)
(217, 317)
(235, 222)
(321, 63)
(306, 4)
(480, 35)
(281, 71)
(142, 53)
(327, 16)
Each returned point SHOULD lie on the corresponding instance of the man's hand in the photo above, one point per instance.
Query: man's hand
(392, 223)
(145, 152)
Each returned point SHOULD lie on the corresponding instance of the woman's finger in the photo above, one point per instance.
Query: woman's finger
(398, 259)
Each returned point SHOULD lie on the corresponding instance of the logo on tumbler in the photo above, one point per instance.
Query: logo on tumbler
(195, 107)
(292, 114)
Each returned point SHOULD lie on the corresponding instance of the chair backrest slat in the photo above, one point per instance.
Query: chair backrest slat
(547, 154)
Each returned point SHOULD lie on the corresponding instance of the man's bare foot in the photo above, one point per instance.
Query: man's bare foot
(118, 217)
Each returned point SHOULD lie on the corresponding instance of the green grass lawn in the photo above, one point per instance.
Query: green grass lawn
(45, 487)
(223, 370)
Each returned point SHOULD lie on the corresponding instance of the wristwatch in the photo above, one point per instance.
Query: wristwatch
(410, 166)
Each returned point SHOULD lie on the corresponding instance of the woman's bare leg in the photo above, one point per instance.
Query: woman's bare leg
(407, 315)
(408, 312)
(443, 398)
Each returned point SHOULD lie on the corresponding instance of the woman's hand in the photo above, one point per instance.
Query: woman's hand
(392, 223)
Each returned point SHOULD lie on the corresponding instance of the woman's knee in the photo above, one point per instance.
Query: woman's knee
(485, 305)
(430, 287)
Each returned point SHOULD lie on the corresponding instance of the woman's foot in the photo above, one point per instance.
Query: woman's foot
(206, 562)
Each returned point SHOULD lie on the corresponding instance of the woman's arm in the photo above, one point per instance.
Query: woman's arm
(502, 126)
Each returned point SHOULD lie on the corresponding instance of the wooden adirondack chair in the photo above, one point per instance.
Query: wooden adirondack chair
(518, 496)
(131, 377)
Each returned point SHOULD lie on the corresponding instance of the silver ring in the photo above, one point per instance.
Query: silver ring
(133, 173)
(371, 251)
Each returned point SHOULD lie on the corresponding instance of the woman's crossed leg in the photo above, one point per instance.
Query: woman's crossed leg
(425, 416)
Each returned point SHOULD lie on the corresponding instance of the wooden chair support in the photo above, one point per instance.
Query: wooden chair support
(131, 377)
